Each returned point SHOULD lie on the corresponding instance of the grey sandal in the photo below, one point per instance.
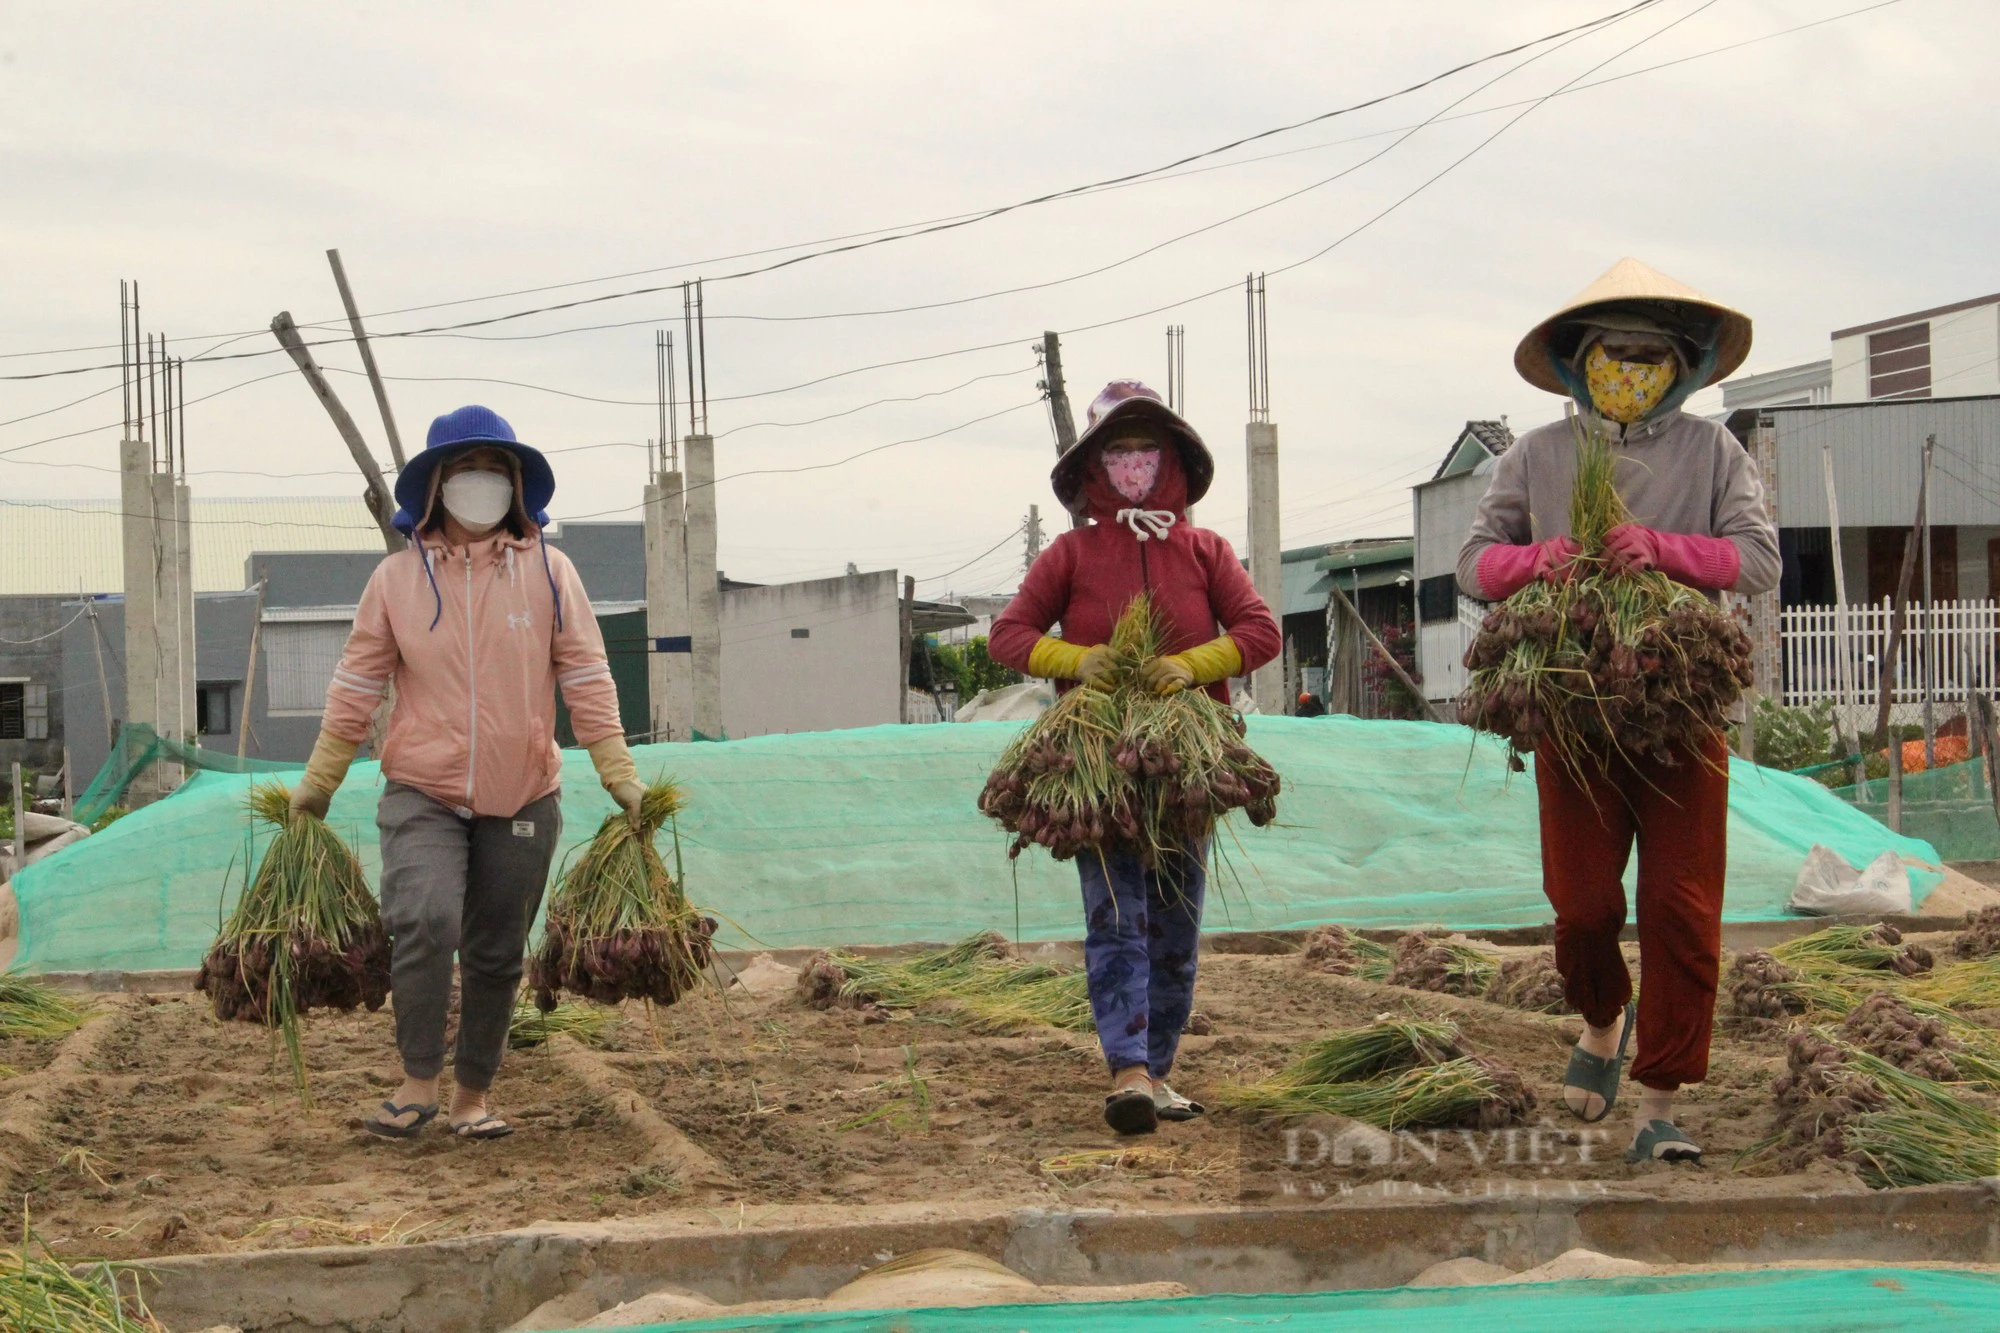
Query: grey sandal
(486, 1127)
(1170, 1105)
(1596, 1075)
(1660, 1141)
(383, 1129)
(1131, 1111)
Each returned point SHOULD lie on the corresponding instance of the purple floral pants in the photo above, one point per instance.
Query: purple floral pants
(1142, 931)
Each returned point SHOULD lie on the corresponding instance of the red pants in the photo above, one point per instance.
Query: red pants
(1591, 811)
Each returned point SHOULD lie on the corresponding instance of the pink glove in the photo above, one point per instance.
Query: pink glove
(1505, 570)
(1698, 562)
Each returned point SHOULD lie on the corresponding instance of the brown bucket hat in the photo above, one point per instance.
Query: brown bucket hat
(1629, 287)
(1124, 403)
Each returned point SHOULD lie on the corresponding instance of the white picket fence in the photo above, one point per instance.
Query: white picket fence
(1961, 639)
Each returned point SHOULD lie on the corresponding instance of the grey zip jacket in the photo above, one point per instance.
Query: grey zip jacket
(1676, 473)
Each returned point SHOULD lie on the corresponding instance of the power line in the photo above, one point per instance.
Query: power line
(977, 558)
(863, 240)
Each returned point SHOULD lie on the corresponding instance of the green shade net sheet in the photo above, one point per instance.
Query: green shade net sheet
(1855, 1300)
(873, 836)
(1950, 807)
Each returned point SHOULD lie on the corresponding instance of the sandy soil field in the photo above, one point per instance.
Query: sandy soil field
(158, 1130)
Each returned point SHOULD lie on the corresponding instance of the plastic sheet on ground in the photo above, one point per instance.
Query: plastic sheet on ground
(1854, 1300)
(873, 836)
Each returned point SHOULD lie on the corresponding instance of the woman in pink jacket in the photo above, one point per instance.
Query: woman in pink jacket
(474, 626)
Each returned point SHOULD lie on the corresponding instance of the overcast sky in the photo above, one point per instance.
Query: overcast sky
(462, 152)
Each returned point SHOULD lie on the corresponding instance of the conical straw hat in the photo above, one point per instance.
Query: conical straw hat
(1630, 283)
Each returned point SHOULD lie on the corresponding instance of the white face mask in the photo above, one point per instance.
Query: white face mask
(479, 500)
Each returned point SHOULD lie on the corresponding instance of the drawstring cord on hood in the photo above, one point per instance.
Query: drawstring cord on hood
(1149, 523)
(543, 542)
(430, 570)
(430, 556)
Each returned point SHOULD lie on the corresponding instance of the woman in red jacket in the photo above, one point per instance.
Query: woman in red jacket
(1135, 471)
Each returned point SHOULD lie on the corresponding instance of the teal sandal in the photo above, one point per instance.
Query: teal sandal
(1659, 1141)
(1597, 1075)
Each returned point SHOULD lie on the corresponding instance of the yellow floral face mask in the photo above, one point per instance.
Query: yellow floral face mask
(1625, 391)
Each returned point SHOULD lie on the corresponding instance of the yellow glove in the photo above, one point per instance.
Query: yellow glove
(325, 771)
(1218, 659)
(620, 776)
(1052, 659)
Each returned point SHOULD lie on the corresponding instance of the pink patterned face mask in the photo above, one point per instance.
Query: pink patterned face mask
(1134, 474)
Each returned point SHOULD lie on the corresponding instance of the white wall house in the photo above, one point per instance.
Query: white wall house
(1443, 509)
(1952, 351)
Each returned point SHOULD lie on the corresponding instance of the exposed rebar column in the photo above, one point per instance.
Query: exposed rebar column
(703, 584)
(670, 665)
(1267, 683)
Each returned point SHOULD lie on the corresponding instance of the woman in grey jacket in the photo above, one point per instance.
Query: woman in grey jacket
(1628, 351)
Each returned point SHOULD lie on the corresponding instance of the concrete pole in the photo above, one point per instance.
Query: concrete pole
(670, 666)
(1765, 658)
(1267, 683)
(181, 581)
(142, 641)
(704, 594)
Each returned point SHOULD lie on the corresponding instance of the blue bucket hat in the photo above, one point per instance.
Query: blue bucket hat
(467, 428)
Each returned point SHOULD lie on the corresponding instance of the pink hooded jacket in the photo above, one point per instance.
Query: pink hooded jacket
(476, 646)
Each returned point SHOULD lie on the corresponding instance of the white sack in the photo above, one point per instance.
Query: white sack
(1829, 886)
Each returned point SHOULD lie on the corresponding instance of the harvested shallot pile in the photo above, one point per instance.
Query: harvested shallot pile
(1604, 662)
(1530, 983)
(1116, 767)
(306, 933)
(619, 926)
(1424, 963)
(1346, 953)
(1981, 936)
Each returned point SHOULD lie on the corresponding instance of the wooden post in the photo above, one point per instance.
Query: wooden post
(907, 619)
(1843, 640)
(367, 358)
(380, 504)
(69, 787)
(1387, 656)
(20, 822)
(1930, 610)
(1989, 737)
(1059, 413)
(250, 671)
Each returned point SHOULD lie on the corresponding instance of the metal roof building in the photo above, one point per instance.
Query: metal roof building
(62, 547)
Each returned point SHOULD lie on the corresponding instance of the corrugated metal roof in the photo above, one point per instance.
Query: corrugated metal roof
(66, 546)
(1878, 452)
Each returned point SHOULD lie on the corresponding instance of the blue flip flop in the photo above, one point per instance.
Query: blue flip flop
(486, 1127)
(1595, 1074)
(383, 1129)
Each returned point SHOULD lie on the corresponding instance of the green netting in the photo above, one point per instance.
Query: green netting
(1853, 1300)
(139, 746)
(872, 836)
(1949, 807)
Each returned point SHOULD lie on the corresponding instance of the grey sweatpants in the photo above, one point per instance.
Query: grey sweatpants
(470, 887)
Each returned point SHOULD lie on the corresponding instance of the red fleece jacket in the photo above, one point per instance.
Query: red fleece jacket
(1088, 576)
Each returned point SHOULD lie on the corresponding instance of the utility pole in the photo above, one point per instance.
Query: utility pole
(1033, 529)
(704, 590)
(1058, 396)
(381, 505)
(670, 663)
(1267, 683)
(250, 670)
(367, 358)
